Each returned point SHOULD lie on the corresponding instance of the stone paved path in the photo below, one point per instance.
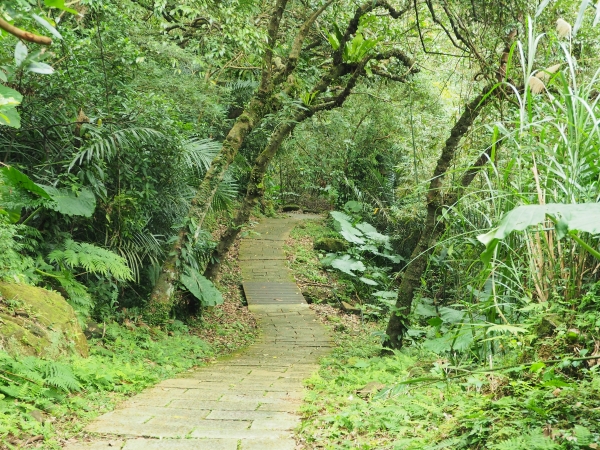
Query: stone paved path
(244, 402)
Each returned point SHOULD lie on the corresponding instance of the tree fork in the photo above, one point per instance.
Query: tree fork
(255, 190)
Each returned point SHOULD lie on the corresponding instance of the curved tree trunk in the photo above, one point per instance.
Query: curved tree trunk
(162, 294)
(411, 280)
(254, 192)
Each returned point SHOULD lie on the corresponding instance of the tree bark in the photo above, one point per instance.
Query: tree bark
(411, 280)
(162, 293)
(254, 193)
(25, 35)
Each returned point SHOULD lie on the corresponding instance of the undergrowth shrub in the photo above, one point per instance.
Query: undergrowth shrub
(123, 361)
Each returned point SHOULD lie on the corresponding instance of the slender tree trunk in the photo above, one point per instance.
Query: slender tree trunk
(411, 280)
(254, 193)
(162, 294)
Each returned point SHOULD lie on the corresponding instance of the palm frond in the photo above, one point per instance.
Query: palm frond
(104, 148)
(198, 153)
(138, 249)
(227, 192)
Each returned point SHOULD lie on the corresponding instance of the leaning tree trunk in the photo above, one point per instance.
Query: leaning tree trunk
(254, 192)
(411, 280)
(273, 81)
(161, 299)
(162, 294)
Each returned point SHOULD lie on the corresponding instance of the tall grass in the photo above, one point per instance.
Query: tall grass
(549, 153)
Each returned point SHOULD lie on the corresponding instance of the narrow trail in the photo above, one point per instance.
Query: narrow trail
(245, 402)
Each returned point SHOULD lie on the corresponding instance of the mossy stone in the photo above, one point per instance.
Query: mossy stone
(290, 208)
(43, 325)
(548, 325)
(330, 245)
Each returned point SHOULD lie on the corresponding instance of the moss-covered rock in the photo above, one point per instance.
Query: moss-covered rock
(35, 321)
(330, 245)
(290, 208)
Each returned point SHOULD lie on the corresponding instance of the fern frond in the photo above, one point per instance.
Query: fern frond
(58, 375)
(93, 259)
(534, 440)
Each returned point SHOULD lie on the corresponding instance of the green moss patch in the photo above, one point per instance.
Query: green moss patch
(35, 321)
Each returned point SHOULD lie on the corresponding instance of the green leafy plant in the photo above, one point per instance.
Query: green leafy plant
(201, 288)
(368, 260)
(568, 221)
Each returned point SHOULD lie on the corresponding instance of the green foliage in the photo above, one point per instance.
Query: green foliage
(13, 266)
(568, 220)
(122, 362)
(71, 203)
(106, 144)
(352, 404)
(91, 258)
(18, 179)
(9, 100)
(367, 262)
(69, 256)
(81, 203)
(202, 288)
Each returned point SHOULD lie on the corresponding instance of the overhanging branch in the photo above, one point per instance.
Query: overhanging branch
(24, 35)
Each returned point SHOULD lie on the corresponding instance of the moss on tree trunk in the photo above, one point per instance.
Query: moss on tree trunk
(411, 280)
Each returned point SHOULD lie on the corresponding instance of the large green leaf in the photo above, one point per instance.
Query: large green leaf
(9, 96)
(371, 232)
(9, 99)
(201, 288)
(60, 4)
(21, 53)
(10, 117)
(568, 218)
(18, 179)
(71, 203)
(346, 264)
(344, 227)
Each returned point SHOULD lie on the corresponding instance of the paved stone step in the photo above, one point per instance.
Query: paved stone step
(268, 293)
(248, 401)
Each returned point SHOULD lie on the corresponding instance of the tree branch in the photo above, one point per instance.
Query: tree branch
(354, 22)
(400, 56)
(273, 30)
(389, 76)
(439, 22)
(25, 35)
(299, 40)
